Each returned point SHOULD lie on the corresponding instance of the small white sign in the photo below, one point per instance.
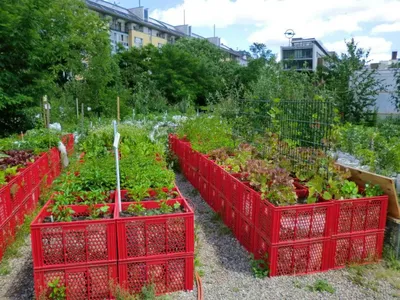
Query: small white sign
(116, 140)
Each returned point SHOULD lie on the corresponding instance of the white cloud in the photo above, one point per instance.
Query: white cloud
(380, 48)
(224, 41)
(308, 18)
(393, 27)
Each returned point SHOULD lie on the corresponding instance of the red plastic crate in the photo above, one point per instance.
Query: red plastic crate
(168, 274)
(294, 258)
(204, 189)
(70, 243)
(33, 174)
(19, 189)
(248, 202)
(5, 203)
(233, 190)
(356, 249)
(155, 236)
(214, 198)
(222, 181)
(91, 281)
(191, 156)
(204, 166)
(295, 222)
(231, 218)
(214, 171)
(245, 233)
(358, 215)
(43, 165)
(7, 233)
(191, 175)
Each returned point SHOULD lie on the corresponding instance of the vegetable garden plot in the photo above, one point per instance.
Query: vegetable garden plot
(59, 244)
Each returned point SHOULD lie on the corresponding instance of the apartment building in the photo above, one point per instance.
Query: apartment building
(303, 54)
(134, 27)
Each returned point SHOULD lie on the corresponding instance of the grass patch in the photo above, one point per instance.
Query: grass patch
(216, 217)
(321, 286)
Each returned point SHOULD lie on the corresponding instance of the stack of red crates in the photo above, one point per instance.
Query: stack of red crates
(81, 255)
(156, 250)
(298, 239)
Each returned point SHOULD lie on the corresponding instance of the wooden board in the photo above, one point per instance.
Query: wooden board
(387, 184)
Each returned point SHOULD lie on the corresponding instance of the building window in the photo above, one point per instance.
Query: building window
(119, 26)
(122, 37)
(138, 42)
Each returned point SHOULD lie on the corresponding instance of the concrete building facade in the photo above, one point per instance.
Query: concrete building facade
(303, 54)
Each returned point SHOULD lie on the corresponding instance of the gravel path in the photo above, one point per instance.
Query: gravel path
(227, 272)
(18, 284)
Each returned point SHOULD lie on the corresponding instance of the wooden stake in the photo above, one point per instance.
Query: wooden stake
(118, 112)
(46, 107)
(82, 115)
(44, 112)
(77, 108)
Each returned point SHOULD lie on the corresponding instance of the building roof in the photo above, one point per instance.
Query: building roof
(312, 40)
(123, 13)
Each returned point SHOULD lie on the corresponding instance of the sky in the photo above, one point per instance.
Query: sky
(374, 24)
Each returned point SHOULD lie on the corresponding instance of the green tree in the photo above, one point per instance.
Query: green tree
(354, 83)
(46, 46)
(260, 57)
(395, 97)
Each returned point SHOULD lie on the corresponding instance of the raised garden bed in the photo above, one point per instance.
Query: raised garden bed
(262, 227)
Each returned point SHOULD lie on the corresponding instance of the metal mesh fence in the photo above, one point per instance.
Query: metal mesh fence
(298, 130)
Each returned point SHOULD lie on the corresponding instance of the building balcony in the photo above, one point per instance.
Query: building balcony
(119, 29)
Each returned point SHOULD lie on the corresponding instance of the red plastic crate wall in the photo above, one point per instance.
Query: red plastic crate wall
(70, 243)
(27, 186)
(155, 236)
(168, 274)
(294, 258)
(9, 226)
(356, 249)
(82, 282)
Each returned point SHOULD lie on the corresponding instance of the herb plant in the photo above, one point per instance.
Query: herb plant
(57, 290)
